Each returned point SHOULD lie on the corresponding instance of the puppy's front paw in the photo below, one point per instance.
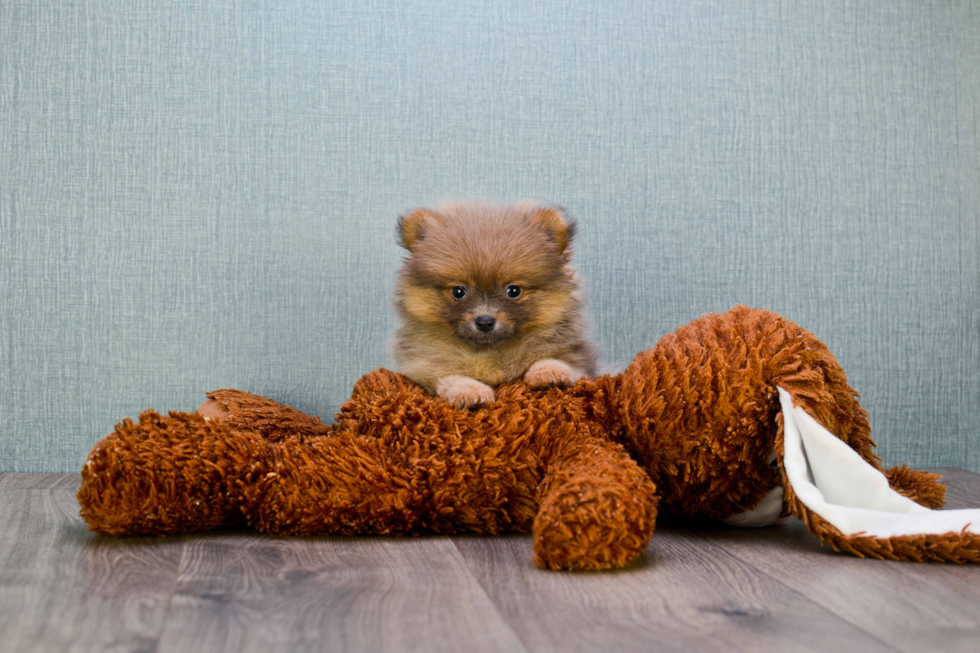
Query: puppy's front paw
(464, 392)
(551, 372)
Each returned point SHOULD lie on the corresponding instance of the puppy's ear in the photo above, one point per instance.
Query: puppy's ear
(560, 227)
(412, 227)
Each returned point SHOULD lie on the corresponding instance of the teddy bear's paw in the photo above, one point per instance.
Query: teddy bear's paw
(551, 372)
(213, 410)
(586, 526)
(464, 392)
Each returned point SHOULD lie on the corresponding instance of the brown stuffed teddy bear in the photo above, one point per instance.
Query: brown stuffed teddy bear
(717, 421)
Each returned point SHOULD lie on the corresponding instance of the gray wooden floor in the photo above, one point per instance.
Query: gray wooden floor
(63, 588)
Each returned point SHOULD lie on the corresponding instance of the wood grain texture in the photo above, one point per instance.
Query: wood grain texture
(63, 588)
(911, 606)
(247, 592)
(684, 595)
(697, 587)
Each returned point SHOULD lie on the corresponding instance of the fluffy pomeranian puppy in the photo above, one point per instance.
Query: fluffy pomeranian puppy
(487, 296)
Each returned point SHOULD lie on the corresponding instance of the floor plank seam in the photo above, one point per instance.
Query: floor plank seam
(496, 608)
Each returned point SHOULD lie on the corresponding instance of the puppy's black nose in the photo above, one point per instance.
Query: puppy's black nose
(485, 323)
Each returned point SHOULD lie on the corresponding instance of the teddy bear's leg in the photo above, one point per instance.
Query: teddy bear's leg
(705, 409)
(802, 365)
(598, 509)
(165, 475)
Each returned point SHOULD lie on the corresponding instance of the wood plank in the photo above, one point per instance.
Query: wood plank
(696, 588)
(683, 595)
(911, 606)
(63, 588)
(250, 592)
(32, 481)
(962, 487)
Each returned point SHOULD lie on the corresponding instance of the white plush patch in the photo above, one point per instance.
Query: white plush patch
(832, 480)
(766, 513)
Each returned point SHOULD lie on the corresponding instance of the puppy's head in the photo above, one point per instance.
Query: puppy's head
(487, 272)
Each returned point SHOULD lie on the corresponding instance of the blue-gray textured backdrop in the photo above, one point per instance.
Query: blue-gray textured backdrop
(194, 197)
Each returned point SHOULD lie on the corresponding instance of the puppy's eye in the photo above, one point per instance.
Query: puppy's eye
(458, 292)
(514, 291)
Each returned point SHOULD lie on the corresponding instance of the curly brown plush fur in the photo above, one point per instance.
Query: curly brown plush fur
(397, 461)
(690, 425)
(700, 408)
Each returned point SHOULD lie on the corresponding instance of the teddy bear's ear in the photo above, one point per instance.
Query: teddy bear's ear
(412, 227)
(560, 227)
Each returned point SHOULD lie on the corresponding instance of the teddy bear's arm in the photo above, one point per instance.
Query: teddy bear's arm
(598, 508)
(167, 474)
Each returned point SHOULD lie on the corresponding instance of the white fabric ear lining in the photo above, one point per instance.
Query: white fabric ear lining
(832, 480)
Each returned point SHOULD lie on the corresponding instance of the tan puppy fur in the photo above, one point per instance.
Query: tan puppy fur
(487, 296)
